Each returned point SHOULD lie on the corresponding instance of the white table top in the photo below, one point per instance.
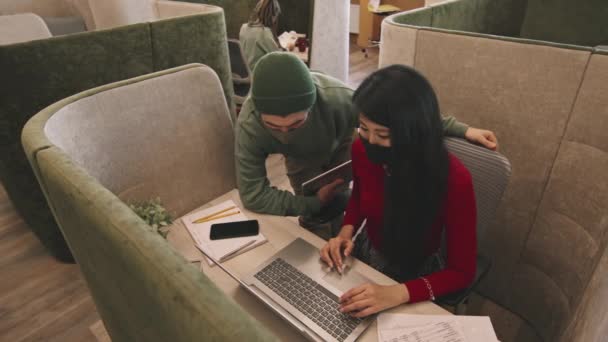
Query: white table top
(279, 231)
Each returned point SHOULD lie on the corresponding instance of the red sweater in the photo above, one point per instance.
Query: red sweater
(457, 217)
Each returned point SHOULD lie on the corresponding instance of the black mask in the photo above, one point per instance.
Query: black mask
(375, 153)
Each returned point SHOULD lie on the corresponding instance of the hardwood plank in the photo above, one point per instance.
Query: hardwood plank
(72, 325)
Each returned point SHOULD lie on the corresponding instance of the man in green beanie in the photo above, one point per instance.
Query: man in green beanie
(309, 118)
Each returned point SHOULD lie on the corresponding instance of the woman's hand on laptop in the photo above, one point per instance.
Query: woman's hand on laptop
(369, 299)
(332, 253)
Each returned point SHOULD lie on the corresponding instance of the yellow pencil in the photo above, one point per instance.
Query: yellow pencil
(216, 217)
(204, 218)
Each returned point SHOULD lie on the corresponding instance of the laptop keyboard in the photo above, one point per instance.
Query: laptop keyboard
(310, 298)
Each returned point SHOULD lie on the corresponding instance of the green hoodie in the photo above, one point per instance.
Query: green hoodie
(256, 41)
(331, 121)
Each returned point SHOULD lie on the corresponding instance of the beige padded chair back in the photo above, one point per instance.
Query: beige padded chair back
(24, 27)
(490, 172)
(169, 137)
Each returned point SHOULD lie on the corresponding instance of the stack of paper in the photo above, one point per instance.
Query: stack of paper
(223, 249)
(432, 328)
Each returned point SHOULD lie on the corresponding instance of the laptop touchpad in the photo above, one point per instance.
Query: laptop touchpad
(346, 281)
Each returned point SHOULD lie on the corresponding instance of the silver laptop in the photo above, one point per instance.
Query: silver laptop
(296, 284)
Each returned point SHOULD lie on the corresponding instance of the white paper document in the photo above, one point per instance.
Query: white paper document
(223, 249)
(289, 37)
(448, 331)
(434, 328)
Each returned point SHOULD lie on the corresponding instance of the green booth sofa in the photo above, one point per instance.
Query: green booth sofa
(546, 100)
(38, 73)
(167, 134)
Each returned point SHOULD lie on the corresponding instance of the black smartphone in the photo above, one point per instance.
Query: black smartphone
(234, 229)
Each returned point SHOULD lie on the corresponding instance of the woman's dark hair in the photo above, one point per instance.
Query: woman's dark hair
(401, 99)
(266, 13)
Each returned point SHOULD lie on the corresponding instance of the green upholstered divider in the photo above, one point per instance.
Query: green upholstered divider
(296, 14)
(499, 17)
(237, 12)
(38, 73)
(180, 41)
(580, 22)
(417, 17)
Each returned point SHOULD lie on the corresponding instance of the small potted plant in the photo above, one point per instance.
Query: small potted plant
(154, 214)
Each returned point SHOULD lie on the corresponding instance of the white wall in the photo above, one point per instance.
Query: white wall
(330, 38)
(354, 19)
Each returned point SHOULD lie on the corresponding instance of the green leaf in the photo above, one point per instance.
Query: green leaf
(154, 214)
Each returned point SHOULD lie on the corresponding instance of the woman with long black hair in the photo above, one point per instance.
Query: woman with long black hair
(409, 190)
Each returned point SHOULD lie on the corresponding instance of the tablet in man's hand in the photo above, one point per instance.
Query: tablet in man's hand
(342, 171)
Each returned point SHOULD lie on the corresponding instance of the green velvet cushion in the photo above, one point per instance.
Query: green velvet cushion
(580, 22)
(296, 15)
(562, 21)
(236, 12)
(417, 17)
(501, 17)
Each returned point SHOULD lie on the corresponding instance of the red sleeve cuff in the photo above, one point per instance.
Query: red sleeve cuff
(418, 290)
(352, 220)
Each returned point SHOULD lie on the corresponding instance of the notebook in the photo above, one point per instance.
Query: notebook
(223, 249)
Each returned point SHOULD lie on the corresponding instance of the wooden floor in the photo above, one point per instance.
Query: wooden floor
(44, 300)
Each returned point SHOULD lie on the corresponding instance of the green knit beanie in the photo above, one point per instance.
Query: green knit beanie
(282, 85)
